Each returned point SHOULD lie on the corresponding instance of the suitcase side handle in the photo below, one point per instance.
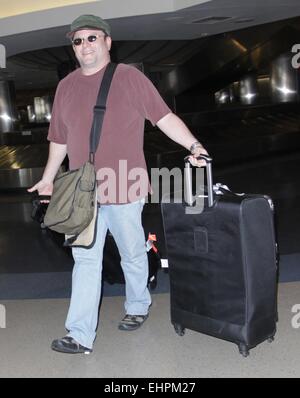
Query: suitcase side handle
(188, 179)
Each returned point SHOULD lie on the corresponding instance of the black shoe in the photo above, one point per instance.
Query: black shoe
(132, 322)
(68, 345)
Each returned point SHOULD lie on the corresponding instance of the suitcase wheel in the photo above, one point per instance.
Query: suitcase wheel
(180, 330)
(270, 339)
(243, 350)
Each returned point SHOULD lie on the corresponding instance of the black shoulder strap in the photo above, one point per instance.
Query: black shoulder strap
(100, 108)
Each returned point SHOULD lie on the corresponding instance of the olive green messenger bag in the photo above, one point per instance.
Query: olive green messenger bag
(72, 209)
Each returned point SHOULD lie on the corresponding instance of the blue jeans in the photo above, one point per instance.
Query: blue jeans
(124, 223)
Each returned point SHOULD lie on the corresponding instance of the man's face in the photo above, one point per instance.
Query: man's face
(91, 54)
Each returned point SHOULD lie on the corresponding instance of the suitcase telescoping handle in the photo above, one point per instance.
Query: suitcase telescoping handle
(188, 179)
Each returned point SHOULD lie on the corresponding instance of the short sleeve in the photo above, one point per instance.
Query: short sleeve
(145, 97)
(57, 130)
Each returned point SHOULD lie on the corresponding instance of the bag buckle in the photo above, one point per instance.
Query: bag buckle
(99, 109)
(92, 157)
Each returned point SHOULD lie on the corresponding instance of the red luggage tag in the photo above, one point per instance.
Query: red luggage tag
(150, 242)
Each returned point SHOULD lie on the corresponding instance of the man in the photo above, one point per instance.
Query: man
(132, 99)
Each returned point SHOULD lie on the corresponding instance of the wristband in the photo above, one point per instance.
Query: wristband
(194, 146)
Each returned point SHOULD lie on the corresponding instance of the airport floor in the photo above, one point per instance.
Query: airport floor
(154, 351)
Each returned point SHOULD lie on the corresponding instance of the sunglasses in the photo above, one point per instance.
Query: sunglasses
(78, 41)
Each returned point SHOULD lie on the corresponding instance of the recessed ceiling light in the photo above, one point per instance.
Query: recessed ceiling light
(173, 18)
(243, 20)
(210, 20)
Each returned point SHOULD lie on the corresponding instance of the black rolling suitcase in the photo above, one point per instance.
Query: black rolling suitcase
(223, 266)
(112, 270)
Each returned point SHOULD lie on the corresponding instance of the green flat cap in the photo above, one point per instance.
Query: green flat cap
(89, 21)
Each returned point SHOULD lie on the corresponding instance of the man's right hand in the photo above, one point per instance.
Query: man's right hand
(43, 188)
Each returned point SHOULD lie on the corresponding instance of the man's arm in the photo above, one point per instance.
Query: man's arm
(57, 153)
(177, 131)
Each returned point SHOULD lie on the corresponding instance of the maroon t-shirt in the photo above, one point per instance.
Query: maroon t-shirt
(119, 161)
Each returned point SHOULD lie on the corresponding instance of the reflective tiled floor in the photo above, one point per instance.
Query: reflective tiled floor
(26, 248)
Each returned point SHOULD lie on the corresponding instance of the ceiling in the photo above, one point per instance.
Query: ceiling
(16, 7)
(141, 20)
(43, 25)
